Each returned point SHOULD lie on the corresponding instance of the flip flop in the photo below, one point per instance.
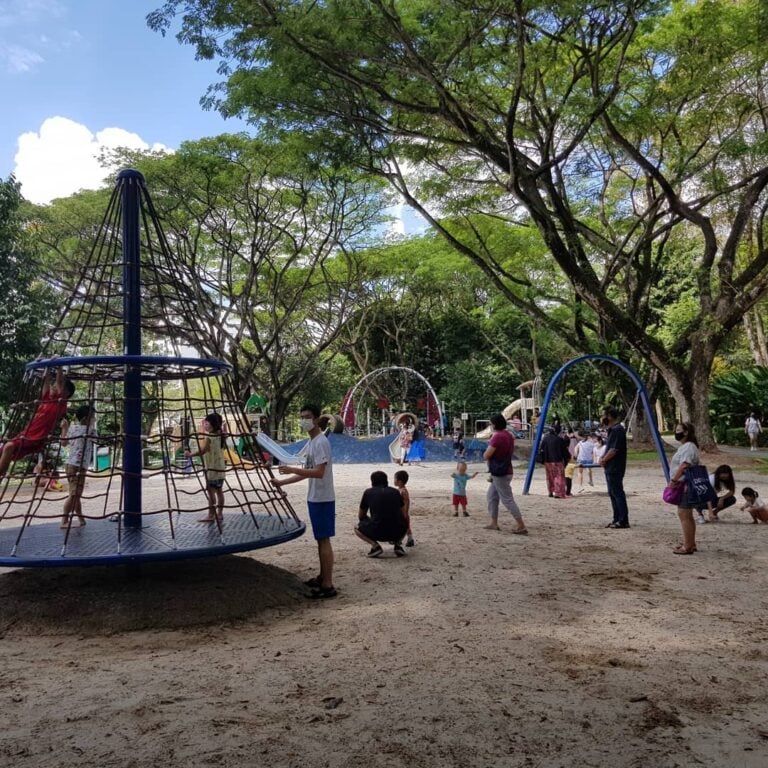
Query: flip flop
(323, 593)
(520, 531)
(681, 550)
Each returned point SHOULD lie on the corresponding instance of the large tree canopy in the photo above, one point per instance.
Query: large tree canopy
(25, 302)
(631, 135)
(267, 245)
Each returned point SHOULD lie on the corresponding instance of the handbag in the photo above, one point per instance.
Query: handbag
(700, 491)
(674, 494)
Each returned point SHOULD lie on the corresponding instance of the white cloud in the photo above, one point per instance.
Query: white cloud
(21, 37)
(15, 13)
(62, 157)
(18, 59)
(396, 225)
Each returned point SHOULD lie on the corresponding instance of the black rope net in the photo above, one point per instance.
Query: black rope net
(177, 392)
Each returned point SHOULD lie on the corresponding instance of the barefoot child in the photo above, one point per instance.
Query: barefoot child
(401, 480)
(79, 439)
(460, 480)
(755, 506)
(211, 449)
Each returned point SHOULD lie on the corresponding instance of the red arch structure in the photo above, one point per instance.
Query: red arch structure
(348, 412)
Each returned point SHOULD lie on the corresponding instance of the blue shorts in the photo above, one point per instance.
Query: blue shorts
(322, 515)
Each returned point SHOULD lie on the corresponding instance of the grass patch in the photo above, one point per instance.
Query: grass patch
(646, 456)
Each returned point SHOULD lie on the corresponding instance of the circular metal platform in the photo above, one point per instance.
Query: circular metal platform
(103, 542)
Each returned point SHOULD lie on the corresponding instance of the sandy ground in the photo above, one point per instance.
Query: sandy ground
(574, 646)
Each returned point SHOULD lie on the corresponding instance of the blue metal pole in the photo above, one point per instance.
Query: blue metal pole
(644, 399)
(132, 182)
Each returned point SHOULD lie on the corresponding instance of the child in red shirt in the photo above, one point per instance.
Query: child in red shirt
(51, 409)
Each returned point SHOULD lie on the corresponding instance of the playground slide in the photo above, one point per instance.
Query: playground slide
(507, 413)
(277, 450)
(394, 449)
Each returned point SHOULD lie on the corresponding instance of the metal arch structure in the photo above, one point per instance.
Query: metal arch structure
(642, 393)
(350, 396)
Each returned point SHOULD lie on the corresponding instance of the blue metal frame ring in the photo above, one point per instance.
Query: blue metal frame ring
(152, 367)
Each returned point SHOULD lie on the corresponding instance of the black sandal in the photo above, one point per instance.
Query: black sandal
(323, 593)
(314, 582)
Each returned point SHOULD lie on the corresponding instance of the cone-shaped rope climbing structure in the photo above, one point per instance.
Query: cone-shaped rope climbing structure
(121, 448)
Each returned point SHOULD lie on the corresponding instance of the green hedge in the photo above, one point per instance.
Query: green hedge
(737, 436)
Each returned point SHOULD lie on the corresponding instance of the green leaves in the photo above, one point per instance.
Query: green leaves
(25, 303)
(736, 394)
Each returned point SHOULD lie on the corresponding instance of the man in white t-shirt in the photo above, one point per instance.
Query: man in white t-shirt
(321, 499)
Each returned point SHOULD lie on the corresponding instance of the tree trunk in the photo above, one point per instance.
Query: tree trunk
(690, 388)
(762, 348)
(753, 324)
(278, 408)
(638, 426)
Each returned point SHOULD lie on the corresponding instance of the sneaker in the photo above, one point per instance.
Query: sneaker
(399, 551)
(375, 551)
(410, 542)
(700, 520)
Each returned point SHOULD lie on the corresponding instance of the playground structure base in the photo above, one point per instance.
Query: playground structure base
(97, 542)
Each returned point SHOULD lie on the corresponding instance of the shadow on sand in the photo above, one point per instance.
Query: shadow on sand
(155, 596)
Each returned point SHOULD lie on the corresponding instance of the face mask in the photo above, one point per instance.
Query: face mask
(679, 436)
(306, 424)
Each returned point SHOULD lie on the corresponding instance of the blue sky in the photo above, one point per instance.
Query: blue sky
(77, 76)
(96, 64)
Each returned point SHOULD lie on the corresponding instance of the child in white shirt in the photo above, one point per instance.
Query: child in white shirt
(755, 506)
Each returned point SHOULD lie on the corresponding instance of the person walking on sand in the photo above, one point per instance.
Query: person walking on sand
(498, 454)
(460, 480)
(753, 428)
(585, 452)
(614, 462)
(554, 454)
(321, 498)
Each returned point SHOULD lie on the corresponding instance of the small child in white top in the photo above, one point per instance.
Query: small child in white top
(80, 439)
(755, 506)
(585, 456)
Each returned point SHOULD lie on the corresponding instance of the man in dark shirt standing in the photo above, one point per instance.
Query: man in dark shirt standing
(386, 521)
(614, 462)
